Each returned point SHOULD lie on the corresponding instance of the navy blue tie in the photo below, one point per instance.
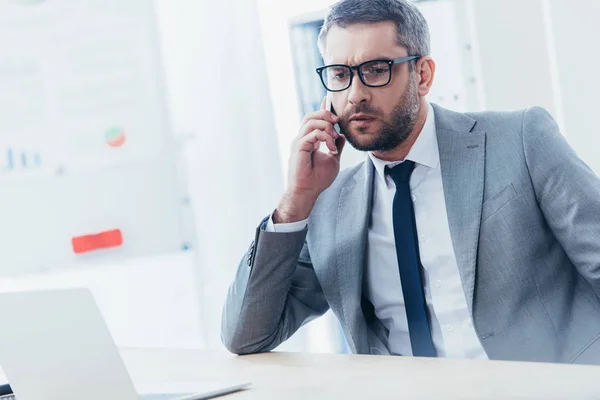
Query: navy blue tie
(409, 262)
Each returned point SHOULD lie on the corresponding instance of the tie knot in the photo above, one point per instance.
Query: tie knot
(401, 172)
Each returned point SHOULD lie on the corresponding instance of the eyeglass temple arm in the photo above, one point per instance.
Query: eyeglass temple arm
(404, 59)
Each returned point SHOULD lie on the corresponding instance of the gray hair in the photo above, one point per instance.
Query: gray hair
(412, 28)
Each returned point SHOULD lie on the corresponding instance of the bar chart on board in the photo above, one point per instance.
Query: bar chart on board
(21, 160)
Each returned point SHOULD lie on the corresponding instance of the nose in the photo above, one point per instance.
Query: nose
(358, 92)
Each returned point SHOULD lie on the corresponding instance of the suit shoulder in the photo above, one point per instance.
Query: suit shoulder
(507, 122)
(497, 118)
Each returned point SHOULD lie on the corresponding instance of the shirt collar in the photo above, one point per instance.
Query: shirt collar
(424, 151)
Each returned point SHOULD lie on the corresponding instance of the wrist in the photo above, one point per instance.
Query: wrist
(294, 207)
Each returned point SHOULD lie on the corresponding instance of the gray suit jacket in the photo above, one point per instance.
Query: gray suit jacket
(524, 215)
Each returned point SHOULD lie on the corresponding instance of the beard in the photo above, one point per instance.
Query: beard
(397, 127)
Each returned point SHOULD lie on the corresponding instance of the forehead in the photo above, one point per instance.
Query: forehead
(362, 42)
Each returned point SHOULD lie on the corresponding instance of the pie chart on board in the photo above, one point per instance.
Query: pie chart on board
(115, 137)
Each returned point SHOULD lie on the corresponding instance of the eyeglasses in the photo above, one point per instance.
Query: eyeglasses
(373, 73)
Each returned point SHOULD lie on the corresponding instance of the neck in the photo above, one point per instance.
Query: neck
(400, 152)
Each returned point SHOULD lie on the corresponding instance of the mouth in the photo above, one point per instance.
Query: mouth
(362, 117)
(362, 120)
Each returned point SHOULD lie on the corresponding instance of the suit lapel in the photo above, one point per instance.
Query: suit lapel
(351, 232)
(462, 159)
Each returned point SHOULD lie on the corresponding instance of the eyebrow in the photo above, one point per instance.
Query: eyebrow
(367, 59)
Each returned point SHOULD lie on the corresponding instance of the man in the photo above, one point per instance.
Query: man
(462, 235)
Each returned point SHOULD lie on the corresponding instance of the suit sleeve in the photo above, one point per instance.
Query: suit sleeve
(567, 190)
(274, 293)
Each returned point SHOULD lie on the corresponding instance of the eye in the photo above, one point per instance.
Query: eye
(338, 73)
(376, 68)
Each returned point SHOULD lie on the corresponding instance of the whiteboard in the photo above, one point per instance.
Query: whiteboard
(85, 140)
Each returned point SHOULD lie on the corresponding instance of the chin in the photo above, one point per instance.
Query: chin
(368, 134)
(361, 141)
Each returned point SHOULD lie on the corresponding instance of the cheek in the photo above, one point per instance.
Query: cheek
(391, 97)
(385, 105)
(339, 102)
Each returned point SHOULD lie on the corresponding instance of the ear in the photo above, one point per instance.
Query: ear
(425, 70)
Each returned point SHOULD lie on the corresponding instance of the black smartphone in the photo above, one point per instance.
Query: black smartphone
(329, 107)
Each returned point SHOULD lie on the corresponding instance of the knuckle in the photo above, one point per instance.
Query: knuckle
(311, 124)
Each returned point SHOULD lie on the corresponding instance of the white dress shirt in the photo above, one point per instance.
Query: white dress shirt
(451, 324)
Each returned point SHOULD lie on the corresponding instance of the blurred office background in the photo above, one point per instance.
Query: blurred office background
(162, 128)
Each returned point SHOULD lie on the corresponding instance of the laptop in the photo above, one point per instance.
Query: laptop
(55, 345)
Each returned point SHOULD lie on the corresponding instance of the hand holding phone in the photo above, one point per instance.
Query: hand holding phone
(311, 171)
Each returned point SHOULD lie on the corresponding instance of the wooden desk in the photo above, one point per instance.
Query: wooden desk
(312, 376)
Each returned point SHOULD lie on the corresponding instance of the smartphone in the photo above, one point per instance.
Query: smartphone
(329, 107)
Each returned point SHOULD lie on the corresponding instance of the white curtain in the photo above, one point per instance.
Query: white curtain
(219, 99)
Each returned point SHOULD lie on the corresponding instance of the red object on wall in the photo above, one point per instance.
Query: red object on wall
(97, 241)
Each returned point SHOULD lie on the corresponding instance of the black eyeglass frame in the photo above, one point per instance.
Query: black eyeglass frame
(360, 75)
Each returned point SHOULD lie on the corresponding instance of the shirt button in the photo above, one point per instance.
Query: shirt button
(450, 328)
(413, 197)
(422, 238)
(438, 283)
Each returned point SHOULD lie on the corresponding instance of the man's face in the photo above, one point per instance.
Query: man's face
(373, 119)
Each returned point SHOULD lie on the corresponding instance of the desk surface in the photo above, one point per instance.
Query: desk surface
(323, 376)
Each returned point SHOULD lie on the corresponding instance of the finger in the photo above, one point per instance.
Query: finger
(324, 103)
(323, 136)
(321, 115)
(340, 143)
(321, 125)
(316, 137)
